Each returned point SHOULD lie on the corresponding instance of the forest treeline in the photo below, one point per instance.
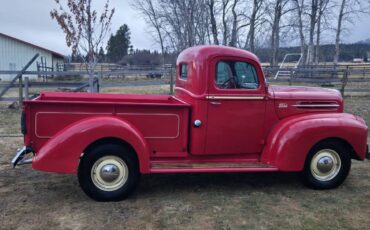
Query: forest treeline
(264, 27)
(348, 53)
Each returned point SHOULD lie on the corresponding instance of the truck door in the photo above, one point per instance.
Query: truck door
(236, 107)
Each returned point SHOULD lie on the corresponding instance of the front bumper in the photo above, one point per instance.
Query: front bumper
(19, 158)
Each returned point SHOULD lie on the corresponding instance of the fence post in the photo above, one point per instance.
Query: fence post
(344, 80)
(100, 80)
(363, 73)
(20, 91)
(171, 80)
(26, 88)
(290, 77)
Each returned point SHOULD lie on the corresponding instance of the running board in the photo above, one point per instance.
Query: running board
(211, 167)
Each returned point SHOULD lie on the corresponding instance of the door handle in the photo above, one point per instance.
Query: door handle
(215, 103)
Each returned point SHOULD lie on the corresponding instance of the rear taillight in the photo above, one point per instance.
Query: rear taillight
(23, 123)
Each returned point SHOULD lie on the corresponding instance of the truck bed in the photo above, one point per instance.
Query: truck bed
(162, 119)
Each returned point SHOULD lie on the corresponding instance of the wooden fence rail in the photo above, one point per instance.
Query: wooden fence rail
(336, 77)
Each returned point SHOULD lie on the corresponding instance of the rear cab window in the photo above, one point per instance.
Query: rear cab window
(184, 71)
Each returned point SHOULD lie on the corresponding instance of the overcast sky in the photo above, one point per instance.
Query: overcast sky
(30, 21)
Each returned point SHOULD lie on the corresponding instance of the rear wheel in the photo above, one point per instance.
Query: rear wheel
(108, 172)
(327, 165)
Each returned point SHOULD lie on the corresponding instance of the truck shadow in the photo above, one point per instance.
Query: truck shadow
(161, 184)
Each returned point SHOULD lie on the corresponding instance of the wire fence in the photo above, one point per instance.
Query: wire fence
(349, 79)
(77, 81)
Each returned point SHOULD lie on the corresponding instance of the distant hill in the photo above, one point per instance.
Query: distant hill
(366, 41)
(347, 54)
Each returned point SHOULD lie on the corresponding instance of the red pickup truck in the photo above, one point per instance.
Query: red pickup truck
(223, 117)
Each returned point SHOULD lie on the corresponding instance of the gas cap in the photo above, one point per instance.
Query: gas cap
(197, 123)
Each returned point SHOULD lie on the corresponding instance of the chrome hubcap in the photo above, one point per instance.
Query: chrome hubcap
(325, 164)
(109, 173)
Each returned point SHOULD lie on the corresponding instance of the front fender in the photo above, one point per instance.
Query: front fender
(291, 139)
(61, 153)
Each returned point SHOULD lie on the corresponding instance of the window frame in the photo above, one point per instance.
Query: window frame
(187, 71)
(211, 85)
(235, 60)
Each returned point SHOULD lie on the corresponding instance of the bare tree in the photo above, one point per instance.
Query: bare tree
(234, 30)
(202, 22)
(84, 30)
(211, 6)
(313, 20)
(255, 19)
(252, 25)
(347, 10)
(248, 24)
(152, 16)
(308, 12)
(323, 12)
(279, 9)
(300, 7)
(225, 8)
(275, 32)
(180, 23)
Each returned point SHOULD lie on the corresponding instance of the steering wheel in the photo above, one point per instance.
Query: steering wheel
(232, 80)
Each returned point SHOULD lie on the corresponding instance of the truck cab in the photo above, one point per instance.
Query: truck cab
(228, 93)
(223, 117)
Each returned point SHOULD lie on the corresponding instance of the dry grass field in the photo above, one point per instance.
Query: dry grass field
(37, 200)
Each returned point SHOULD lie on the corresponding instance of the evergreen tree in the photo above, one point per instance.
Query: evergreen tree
(101, 55)
(119, 44)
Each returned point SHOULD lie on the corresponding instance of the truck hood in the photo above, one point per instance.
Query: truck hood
(296, 92)
(296, 100)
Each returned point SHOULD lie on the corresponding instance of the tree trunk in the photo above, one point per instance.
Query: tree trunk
(246, 45)
(299, 7)
(338, 32)
(310, 53)
(235, 24)
(253, 25)
(211, 6)
(152, 15)
(224, 23)
(90, 54)
(275, 34)
(322, 9)
(318, 33)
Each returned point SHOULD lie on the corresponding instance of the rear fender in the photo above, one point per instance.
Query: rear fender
(291, 139)
(62, 152)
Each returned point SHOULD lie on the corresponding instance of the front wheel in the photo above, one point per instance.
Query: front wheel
(327, 165)
(108, 172)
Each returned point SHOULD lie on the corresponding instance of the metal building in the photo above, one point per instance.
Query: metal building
(16, 53)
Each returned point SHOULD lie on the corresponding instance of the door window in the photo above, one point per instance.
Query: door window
(236, 75)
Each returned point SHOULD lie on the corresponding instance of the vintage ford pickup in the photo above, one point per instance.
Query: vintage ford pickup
(223, 117)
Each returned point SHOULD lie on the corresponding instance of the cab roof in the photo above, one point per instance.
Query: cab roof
(204, 52)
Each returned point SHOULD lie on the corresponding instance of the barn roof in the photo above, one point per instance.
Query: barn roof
(33, 45)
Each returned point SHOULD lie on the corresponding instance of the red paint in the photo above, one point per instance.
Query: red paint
(61, 152)
(213, 170)
(273, 125)
(292, 138)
